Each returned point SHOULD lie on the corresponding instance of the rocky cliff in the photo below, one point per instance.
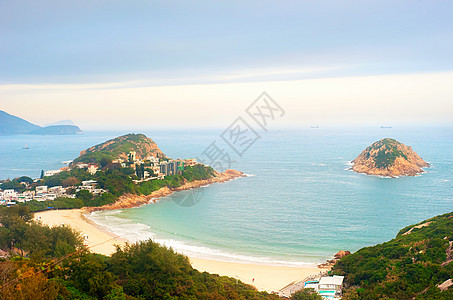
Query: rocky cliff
(388, 157)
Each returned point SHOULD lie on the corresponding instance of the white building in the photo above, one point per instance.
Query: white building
(330, 287)
(41, 189)
(9, 194)
(92, 169)
(91, 183)
(57, 190)
(153, 159)
(51, 172)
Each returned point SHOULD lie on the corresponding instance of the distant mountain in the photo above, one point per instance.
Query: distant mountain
(10, 124)
(62, 122)
(57, 130)
(388, 157)
(120, 147)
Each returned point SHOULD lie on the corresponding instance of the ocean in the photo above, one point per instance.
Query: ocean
(298, 205)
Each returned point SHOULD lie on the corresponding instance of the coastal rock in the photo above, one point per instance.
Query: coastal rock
(129, 200)
(341, 254)
(388, 157)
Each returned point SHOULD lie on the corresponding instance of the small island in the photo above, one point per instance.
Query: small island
(390, 158)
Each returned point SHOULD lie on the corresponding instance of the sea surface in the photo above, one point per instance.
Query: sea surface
(298, 205)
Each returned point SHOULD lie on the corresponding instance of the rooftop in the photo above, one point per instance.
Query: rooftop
(336, 280)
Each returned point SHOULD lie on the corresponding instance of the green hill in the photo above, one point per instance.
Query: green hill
(10, 124)
(119, 148)
(411, 265)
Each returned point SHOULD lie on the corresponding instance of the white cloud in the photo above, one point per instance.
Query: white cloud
(384, 99)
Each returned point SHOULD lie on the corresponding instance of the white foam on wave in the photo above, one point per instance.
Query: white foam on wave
(135, 232)
(249, 175)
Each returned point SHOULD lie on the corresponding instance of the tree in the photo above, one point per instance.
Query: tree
(84, 195)
(306, 294)
(25, 179)
(70, 181)
(42, 174)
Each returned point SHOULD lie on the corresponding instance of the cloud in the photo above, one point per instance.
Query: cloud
(383, 99)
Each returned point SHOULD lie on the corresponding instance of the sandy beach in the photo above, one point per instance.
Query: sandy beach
(263, 277)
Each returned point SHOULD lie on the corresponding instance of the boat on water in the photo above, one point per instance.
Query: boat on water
(386, 126)
(26, 147)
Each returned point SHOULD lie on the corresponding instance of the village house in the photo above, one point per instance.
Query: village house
(190, 161)
(92, 169)
(42, 189)
(330, 287)
(51, 173)
(9, 194)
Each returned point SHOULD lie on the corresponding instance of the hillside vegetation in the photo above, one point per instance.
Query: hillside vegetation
(118, 181)
(411, 265)
(51, 263)
(119, 148)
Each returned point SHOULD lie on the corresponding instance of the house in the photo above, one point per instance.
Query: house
(51, 172)
(92, 169)
(82, 166)
(42, 189)
(9, 194)
(25, 196)
(152, 159)
(89, 183)
(330, 287)
(190, 161)
(57, 190)
(169, 168)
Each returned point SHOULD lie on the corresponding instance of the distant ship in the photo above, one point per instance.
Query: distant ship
(386, 126)
(26, 147)
(314, 127)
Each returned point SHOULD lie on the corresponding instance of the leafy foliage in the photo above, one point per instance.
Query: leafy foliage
(306, 294)
(409, 265)
(143, 270)
(387, 152)
(120, 146)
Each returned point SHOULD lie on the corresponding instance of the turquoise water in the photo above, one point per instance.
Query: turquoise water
(299, 205)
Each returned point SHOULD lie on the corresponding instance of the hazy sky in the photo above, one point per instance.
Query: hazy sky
(201, 63)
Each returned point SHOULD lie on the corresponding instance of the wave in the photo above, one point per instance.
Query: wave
(249, 175)
(135, 232)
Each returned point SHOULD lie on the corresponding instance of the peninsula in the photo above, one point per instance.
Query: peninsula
(388, 157)
(123, 172)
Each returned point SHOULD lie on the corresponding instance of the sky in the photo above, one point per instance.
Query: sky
(169, 64)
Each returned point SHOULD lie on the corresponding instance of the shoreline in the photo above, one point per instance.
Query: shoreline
(130, 200)
(264, 277)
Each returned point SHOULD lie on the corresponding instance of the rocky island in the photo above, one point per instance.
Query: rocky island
(388, 157)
